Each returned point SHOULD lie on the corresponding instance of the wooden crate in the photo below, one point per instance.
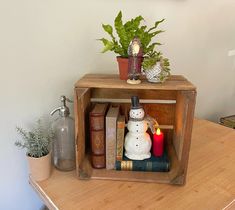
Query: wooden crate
(172, 103)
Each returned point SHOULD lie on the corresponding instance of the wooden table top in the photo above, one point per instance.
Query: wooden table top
(210, 181)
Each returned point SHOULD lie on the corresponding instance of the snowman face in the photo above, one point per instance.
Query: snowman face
(137, 113)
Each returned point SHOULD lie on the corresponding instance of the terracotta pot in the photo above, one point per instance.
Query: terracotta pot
(123, 67)
(123, 64)
(40, 168)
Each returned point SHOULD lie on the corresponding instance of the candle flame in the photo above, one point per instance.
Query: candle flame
(158, 131)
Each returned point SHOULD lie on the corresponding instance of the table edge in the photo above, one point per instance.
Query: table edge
(46, 199)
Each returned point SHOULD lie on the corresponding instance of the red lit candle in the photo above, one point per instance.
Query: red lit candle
(158, 143)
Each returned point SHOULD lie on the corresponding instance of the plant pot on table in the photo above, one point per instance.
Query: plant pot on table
(40, 168)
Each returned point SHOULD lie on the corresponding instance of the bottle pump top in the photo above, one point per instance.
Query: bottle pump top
(63, 109)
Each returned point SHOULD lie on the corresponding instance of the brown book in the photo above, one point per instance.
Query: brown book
(120, 136)
(111, 136)
(97, 135)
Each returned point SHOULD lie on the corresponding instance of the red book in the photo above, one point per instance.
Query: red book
(97, 135)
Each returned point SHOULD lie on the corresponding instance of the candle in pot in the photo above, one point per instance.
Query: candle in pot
(158, 143)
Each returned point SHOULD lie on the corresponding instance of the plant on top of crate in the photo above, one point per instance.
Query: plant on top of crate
(156, 67)
(126, 32)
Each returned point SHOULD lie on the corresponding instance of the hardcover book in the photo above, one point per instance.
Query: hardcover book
(155, 164)
(228, 121)
(111, 136)
(120, 136)
(97, 135)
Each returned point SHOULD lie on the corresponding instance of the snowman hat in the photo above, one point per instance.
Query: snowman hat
(135, 104)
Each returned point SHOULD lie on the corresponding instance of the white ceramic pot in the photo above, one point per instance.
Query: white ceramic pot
(153, 75)
(40, 168)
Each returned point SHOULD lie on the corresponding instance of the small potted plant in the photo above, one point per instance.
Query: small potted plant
(126, 32)
(156, 67)
(37, 144)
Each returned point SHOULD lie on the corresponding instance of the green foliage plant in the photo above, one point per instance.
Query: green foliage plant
(151, 60)
(126, 32)
(36, 142)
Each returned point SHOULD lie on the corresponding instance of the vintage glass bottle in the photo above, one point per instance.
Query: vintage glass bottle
(63, 147)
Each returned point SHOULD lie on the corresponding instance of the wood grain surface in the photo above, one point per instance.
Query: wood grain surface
(210, 181)
(175, 82)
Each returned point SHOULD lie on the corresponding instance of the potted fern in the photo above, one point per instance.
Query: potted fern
(126, 32)
(156, 67)
(37, 143)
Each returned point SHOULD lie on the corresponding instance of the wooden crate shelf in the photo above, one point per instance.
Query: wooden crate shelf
(172, 103)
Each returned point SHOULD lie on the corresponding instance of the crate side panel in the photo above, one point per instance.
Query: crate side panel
(82, 105)
(183, 130)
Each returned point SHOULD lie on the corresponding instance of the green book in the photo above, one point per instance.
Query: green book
(155, 164)
(228, 121)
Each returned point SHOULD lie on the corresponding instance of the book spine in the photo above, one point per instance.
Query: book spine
(111, 137)
(228, 123)
(97, 140)
(98, 161)
(110, 144)
(120, 137)
(142, 166)
(97, 143)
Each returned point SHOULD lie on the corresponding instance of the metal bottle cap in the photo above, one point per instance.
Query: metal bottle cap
(63, 109)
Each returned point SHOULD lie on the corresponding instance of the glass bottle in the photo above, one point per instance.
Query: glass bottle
(63, 147)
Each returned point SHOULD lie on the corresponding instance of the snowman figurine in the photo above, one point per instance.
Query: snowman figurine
(137, 142)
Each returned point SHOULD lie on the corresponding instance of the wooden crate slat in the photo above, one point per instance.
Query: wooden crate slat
(189, 98)
(175, 82)
(81, 103)
(110, 93)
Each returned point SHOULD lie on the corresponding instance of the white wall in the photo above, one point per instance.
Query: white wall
(45, 46)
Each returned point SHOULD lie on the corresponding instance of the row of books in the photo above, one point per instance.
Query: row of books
(107, 133)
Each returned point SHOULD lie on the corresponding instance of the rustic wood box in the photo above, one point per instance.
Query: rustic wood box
(172, 103)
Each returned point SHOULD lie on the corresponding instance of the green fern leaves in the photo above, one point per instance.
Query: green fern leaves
(128, 31)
